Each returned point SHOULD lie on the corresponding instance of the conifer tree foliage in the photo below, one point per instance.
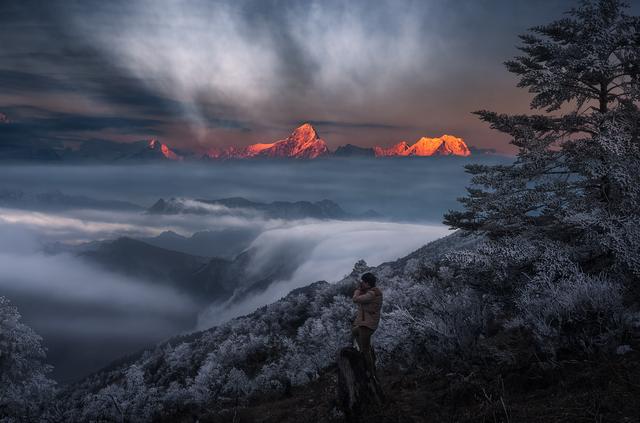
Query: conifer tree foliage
(576, 178)
(24, 386)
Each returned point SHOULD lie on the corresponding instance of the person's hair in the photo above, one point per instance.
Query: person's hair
(369, 278)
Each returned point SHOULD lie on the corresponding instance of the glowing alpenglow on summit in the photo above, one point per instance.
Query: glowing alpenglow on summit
(154, 144)
(446, 145)
(303, 143)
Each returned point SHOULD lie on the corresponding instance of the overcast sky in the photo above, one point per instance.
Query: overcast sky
(213, 73)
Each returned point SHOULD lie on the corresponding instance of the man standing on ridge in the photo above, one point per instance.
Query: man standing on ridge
(369, 300)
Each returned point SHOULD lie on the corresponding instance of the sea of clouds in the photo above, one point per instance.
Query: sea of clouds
(89, 316)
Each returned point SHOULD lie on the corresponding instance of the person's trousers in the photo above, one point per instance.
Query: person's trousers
(362, 335)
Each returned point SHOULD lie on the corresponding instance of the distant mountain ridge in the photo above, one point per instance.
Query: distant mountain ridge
(223, 243)
(15, 198)
(111, 151)
(446, 145)
(303, 143)
(204, 279)
(323, 209)
(351, 150)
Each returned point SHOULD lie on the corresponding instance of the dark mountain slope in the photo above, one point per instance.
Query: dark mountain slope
(223, 243)
(206, 280)
(140, 259)
(445, 351)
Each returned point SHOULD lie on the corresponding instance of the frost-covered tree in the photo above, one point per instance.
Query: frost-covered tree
(590, 56)
(562, 218)
(24, 386)
(576, 175)
(131, 400)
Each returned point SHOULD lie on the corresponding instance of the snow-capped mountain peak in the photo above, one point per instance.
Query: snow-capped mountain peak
(445, 145)
(303, 143)
(156, 145)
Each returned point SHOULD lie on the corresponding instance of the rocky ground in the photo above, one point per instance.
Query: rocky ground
(595, 390)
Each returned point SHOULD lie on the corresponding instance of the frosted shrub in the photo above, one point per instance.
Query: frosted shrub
(494, 266)
(427, 320)
(132, 400)
(24, 386)
(392, 340)
(178, 357)
(611, 224)
(321, 337)
(207, 384)
(566, 307)
(176, 396)
(237, 384)
(270, 379)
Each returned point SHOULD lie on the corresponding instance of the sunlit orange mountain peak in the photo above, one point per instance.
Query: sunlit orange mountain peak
(424, 147)
(156, 145)
(303, 143)
(454, 146)
(446, 145)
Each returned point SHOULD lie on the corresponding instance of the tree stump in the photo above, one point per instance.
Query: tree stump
(358, 391)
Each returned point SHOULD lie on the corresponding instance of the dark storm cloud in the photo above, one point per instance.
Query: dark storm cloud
(381, 71)
(364, 125)
(130, 93)
(12, 81)
(354, 132)
(40, 55)
(32, 123)
(64, 122)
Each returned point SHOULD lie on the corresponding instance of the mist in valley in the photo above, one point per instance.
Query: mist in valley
(405, 189)
(99, 277)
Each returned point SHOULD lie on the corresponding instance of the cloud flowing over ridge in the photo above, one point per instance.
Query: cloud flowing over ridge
(78, 308)
(328, 250)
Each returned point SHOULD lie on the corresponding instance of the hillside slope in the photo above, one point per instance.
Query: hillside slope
(284, 344)
(205, 279)
(449, 348)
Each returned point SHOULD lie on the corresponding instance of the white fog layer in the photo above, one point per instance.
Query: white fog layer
(100, 273)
